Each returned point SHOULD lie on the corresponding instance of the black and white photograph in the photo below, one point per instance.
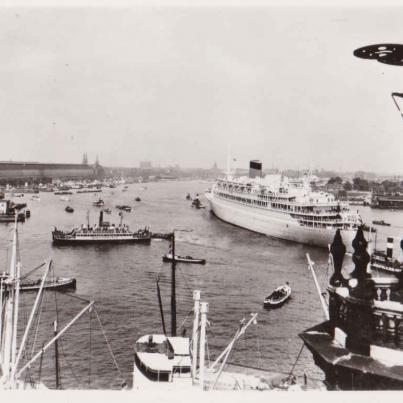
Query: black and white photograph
(201, 201)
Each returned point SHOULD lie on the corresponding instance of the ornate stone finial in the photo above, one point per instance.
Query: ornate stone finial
(337, 250)
(361, 259)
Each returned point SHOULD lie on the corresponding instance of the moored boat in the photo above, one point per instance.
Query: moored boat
(63, 192)
(380, 222)
(278, 297)
(89, 190)
(59, 284)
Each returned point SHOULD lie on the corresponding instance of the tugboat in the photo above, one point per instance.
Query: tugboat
(359, 346)
(388, 261)
(104, 232)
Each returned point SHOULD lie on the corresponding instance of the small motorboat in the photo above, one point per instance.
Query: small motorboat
(137, 199)
(107, 210)
(128, 209)
(182, 259)
(380, 222)
(278, 297)
(99, 203)
(69, 209)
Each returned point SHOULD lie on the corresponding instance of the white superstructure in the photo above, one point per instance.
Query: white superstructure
(282, 207)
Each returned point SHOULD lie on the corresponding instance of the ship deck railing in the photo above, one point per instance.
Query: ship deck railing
(290, 207)
(286, 201)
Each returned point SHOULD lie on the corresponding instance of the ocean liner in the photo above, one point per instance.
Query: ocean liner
(282, 207)
(104, 232)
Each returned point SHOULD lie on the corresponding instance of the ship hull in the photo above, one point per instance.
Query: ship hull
(275, 224)
(72, 241)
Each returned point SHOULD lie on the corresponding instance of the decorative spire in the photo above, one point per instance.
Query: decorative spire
(85, 159)
(337, 250)
(361, 258)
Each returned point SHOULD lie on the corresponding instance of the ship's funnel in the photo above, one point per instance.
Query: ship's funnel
(101, 218)
(255, 169)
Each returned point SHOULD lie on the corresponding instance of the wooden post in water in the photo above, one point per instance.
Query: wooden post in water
(173, 290)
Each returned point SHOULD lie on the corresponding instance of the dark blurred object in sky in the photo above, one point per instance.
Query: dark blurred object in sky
(386, 53)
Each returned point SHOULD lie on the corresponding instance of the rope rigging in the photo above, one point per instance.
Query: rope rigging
(124, 384)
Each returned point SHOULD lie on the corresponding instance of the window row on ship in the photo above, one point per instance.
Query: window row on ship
(279, 206)
(272, 196)
(103, 234)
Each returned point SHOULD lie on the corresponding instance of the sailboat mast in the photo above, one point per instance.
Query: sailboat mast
(9, 336)
(173, 290)
(56, 356)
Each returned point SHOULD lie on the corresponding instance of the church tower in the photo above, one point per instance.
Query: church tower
(85, 159)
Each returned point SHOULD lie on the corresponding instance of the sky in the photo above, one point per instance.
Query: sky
(183, 85)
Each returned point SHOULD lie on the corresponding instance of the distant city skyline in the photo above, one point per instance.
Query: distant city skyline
(183, 85)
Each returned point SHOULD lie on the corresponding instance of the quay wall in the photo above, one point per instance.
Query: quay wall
(32, 170)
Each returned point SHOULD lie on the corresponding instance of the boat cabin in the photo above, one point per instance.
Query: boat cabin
(159, 358)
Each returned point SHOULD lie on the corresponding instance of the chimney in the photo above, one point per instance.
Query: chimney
(101, 216)
(389, 248)
(255, 169)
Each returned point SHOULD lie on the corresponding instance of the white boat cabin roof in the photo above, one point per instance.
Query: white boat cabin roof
(154, 352)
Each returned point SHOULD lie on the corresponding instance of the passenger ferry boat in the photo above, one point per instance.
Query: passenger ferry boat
(282, 207)
(104, 232)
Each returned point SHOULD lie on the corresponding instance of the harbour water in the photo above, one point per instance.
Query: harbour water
(242, 268)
